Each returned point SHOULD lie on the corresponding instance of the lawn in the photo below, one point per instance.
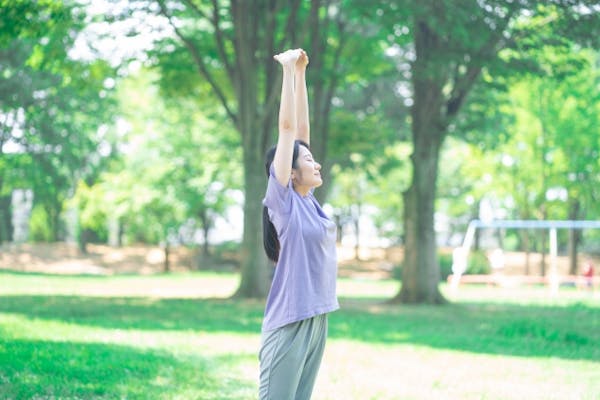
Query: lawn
(180, 336)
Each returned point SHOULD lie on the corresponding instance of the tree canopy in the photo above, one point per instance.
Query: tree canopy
(418, 109)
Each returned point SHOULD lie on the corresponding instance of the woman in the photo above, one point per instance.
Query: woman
(300, 239)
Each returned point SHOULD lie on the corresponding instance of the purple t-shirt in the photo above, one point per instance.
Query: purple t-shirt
(305, 276)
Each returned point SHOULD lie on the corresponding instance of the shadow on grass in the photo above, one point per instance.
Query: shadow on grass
(208, 315)
(569, 332)
(115, 274)
(44, 274)
(40, 369)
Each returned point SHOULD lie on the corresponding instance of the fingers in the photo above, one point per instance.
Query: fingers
(302, 61)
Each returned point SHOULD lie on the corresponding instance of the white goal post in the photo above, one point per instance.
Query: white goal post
(460, 255)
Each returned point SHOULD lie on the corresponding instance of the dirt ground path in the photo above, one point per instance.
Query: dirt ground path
(65, 258)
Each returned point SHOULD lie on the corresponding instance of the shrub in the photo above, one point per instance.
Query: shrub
(397, 272)
(477, 264)
(445, 260)
(229, 251)
(39, 226)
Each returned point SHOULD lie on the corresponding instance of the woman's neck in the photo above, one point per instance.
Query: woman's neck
(302, 190)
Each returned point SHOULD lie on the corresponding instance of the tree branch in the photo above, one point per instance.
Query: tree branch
(464, 83)
(461, 89)
(197, 9)
(215, 20)
(271, 89)
(220, 42)
(336, 62)
(199, 63)
(290, 33)
(332, 86)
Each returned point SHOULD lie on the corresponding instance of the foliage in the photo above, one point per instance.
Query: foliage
(93, 214)
(477, 264)
(372, 186)
(173, 168)
(544, 166)
(39, 226)
(51, 104)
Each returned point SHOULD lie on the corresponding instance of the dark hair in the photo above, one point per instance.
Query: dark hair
(270, 238)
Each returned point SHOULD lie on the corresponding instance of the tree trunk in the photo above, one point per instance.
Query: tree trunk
(573, 246)
(205, 246)
(574, 235)
(167, 263)
(254, 280)
(357, 237)
(83, 240)
(5, 215)
(543, 239)
(5, 219)
(255, 273)
(120, 233)
(525, 247)
(53, 211)
(203, 215)
(338, 223)
(421, 271)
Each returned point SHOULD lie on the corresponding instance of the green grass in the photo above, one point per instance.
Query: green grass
(180, 337)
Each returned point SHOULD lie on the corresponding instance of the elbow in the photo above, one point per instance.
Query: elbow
(286, 126)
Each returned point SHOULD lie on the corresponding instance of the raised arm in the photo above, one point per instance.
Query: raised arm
(303, 124)
(288, 124)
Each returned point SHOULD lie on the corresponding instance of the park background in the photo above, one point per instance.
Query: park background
(131, 179)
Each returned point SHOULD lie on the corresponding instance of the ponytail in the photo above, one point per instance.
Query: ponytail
(270, 238)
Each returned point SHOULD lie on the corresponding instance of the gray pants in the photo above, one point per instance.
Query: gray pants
(290, 358)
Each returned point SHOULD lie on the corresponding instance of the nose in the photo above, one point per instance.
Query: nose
(317, 166)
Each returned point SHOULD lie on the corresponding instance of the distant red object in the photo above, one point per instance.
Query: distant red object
(588, 270)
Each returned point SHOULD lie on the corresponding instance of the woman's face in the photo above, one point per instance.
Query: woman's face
(307, 172)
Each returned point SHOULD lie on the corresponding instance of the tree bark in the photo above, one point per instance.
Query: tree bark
(255, 272)
(167, 263)
(421, 271)
(5, 214)
(53, 211)
(206, 225)
(5, 219)
(574, 236)
(525, 246)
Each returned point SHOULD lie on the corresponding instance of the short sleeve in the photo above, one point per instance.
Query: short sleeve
(278, 197)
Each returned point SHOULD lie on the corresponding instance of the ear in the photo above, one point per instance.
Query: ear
(293, 175)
